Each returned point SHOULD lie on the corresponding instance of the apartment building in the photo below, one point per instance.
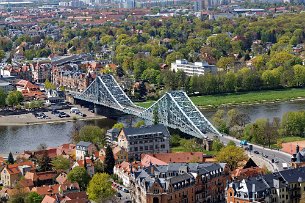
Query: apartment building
(191, 69)
(147, 139)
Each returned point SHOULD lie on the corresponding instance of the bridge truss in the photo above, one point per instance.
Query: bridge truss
(174, 109)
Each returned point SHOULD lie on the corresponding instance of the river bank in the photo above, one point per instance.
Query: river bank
(246, 98)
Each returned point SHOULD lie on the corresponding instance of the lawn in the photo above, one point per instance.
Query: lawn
(291, 139)
(247, 97)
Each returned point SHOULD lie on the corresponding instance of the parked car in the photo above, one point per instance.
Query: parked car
(256, 152)
(74, 110)
(82, 114)
(118, 194)
(125, 190)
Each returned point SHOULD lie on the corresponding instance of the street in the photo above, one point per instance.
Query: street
(282, 157)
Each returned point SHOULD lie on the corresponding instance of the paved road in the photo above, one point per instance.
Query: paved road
(282, 157)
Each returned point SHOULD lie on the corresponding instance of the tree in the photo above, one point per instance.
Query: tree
(99, 188)
(231, 143)
(118, 126)
(79, 175)
(14, 98)
(10, 158)
(3, 96)
(139, 124)
(231, 155)
(109, 160)
(175, 140)
(156, 115)
(44, 162)
(33, 197)
(90, 133)
(48, 85)
(219, 121)
(60, 163)
(217, 145)
(225, 63)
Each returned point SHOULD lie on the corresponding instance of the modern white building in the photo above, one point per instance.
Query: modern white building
(191, 69)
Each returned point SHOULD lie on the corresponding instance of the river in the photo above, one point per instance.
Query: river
(19, 138)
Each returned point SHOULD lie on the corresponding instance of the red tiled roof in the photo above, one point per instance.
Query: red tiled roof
(179, 157)
(53, 189)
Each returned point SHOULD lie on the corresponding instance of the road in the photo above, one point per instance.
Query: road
(282, 157)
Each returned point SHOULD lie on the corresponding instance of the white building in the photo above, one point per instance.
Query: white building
(84, 149)
(191, 69)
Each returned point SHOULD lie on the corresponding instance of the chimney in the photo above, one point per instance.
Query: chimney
(297, 149)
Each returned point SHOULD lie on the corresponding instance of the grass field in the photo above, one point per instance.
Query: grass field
(241, 98)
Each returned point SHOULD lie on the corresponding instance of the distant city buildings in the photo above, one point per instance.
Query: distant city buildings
(191, 69)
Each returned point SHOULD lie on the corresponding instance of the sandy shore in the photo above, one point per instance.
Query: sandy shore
(30, 119)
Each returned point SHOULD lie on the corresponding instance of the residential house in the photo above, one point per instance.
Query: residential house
(147, 139)
(87, 163)
(75, 197)
(179, 182)
(30, 91)
(120, 154)
(250, 169)
(12, 173)
(57, 189)
(286, 186)
(41, 178)
(112, 135)
(123, 170)
(84, 149)
(55, 96)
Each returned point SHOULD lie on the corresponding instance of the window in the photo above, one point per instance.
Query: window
(151, 147)
(136, 149)
(146, 147)
(141, 148)
(156, 146)
(162, 146)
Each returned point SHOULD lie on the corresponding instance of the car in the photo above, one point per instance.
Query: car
(92, 110)
(266, 156)
(125, 190)
(118, 194)
(276, 161)
(82, 114)
(247, 148)
(256, 152)
(55, 112)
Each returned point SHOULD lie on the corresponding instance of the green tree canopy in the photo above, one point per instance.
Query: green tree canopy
(60, 163)
(99, 188)
(79, 174)
(90, 133)
(231, 155)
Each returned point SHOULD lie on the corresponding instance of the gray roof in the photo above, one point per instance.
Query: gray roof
(146, 130)
(84, 144)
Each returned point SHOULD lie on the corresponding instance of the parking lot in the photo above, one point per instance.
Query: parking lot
(46, 116)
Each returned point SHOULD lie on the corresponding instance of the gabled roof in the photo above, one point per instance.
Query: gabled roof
(84, 144)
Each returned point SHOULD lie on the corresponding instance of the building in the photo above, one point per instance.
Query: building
(10, 174)
(179, 182)
(166, 158)
(30, 91)
(123, 170)
(87, 163)
(112, 135)
(298, 159)
(147, 139)
(286, 186)
(120, 154)
(84, 149)
(54, 96)
(191, 69)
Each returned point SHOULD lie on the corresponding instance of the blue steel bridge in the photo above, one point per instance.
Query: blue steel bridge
(174, 109)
